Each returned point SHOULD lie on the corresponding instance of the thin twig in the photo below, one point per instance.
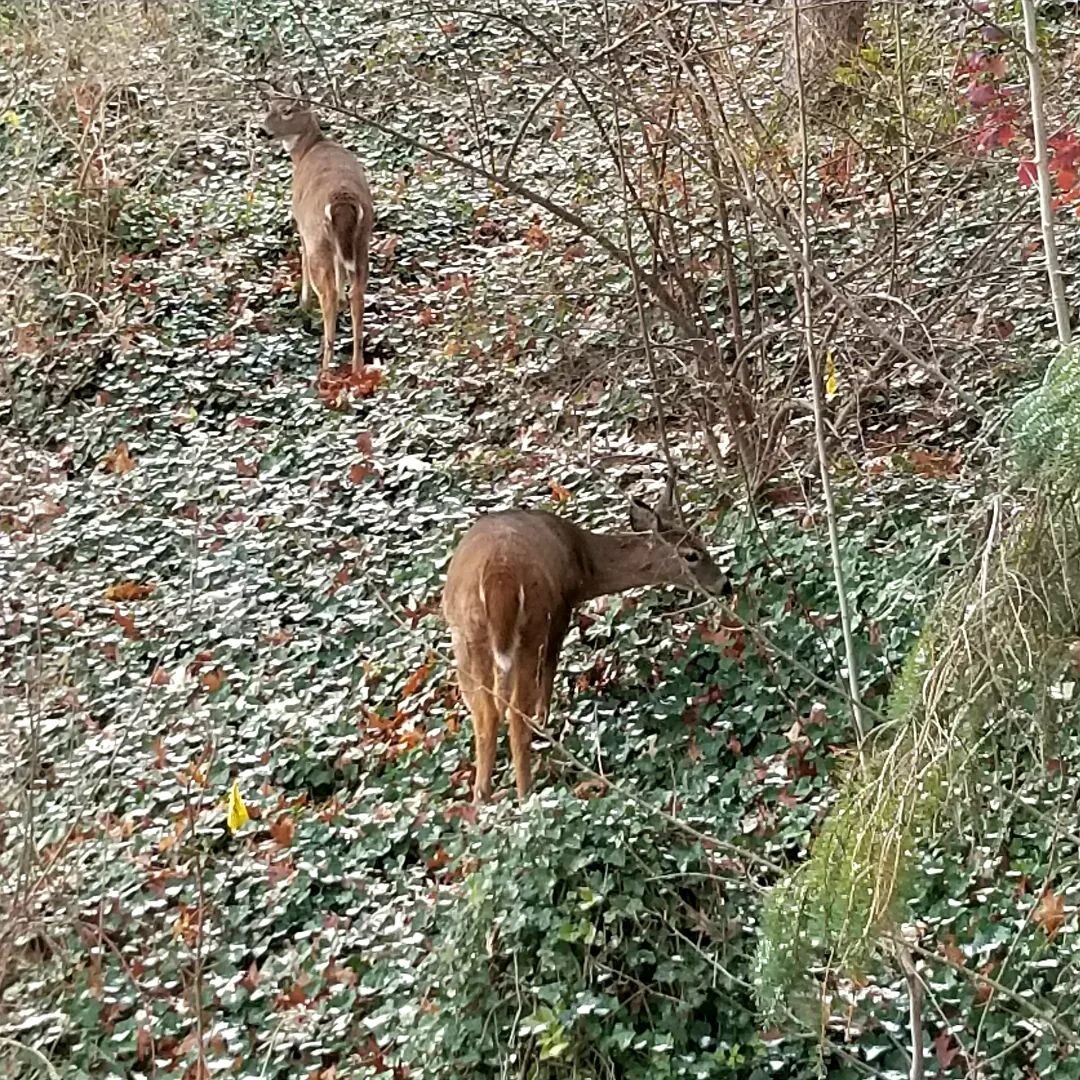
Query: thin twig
(1042, 167)
(817, 393)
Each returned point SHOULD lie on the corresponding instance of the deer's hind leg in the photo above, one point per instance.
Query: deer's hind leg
(305, 276)
(476, 681)
(534, 678)
(356, 304)
(528, 708)
(324, 281)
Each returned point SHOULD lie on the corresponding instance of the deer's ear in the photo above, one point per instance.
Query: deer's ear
(667, 509)
(299, 91)
(642, 517)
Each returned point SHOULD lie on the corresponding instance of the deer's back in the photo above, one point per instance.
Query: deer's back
(324, 173)
(531, 549)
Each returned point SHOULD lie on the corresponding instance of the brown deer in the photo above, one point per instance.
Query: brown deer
(510, 589)
(331, 202)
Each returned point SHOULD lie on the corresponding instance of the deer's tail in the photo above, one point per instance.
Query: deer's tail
(504, 604)
(345, 216)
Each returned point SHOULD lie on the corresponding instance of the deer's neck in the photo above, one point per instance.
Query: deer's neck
(622, 561)
(299, 145)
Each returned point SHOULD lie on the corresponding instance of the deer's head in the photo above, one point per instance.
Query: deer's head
(289, 117)
(686, 559)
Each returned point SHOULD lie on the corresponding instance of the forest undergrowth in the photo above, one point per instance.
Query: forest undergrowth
(219, 575)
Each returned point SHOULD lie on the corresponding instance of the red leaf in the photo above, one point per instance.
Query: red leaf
(945, 1049)
(1065, 178)
(364, 383)
(1026, 173)
(364, 444)
(246, 468)
(359, 471)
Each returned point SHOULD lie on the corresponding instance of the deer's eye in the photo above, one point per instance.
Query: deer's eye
(691, 556)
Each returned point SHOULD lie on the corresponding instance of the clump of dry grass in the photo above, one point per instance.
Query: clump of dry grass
(102, 95)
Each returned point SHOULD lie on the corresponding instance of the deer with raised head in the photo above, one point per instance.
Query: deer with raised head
(331, 202)
(511, 587)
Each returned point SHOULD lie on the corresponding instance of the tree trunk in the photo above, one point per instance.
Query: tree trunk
(829, 32)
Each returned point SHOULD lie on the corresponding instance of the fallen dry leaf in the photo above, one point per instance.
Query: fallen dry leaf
(366, 382)
(926, 463)
(438, 859)
(118, 460)
(1050, 913)
(125, 591)
(592, 788)
(983, 990)
(953, 952)
(536, 238)
(282, 830)
(415, 680)
(213, 679)
(945, 1049)
(466, 812)
(359, 471)
(127, 623)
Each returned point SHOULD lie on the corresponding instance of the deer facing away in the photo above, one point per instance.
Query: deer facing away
(331, 202)
(511, 587)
